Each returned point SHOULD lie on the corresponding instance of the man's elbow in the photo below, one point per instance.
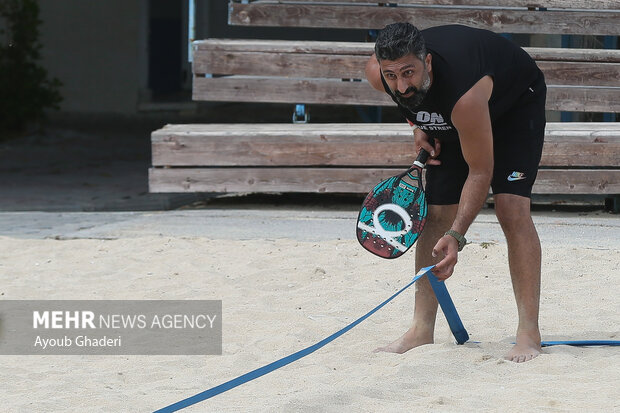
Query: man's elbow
(373, 73)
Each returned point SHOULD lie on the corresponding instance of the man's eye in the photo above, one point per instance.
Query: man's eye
(408, 72)
(391, 77)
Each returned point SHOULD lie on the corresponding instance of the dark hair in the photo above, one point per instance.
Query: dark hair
(399, 39)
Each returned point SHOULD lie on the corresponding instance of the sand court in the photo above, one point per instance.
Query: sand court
(289, 278)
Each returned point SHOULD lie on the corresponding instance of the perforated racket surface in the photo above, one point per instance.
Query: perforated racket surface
(393, 214)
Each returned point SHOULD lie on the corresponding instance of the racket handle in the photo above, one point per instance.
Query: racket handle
(422, 156)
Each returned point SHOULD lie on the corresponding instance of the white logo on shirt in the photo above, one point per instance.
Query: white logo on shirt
(431, 121)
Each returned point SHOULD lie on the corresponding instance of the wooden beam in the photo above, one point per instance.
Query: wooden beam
(283, 46)
(581, 73)
(352, 67)
(286, 90)
(367, 48)
(349, 180)
(577, 181)
(298, 65)
(584, 130)
(574, 55)
(583, 99)
(335, 92)
(344, 180)
(558, 4)
(372, 17)
(385, 145)
(295, 145)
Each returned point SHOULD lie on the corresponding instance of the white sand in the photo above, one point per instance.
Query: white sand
(281, 296)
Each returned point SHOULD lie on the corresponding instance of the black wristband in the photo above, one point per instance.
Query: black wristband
(460, 238)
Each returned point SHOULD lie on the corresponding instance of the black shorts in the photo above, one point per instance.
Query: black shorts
(518, 138)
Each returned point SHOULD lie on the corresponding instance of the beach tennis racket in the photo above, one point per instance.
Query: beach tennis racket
(393, 214)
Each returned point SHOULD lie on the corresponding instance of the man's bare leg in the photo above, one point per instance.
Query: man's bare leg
(524, 258)
(439, 220)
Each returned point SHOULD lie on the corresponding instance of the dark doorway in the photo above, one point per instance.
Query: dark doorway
(165, 48)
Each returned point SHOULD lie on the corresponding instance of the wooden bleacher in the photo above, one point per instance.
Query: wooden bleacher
(578, 157)
(591, 17)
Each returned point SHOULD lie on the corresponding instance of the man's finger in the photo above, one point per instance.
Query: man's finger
(428, 148)
(442, 271)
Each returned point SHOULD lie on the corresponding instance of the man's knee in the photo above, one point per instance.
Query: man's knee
(441, 215)
(512, 211)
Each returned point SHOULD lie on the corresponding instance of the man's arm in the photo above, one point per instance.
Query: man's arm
(373, 73)
(471, 118)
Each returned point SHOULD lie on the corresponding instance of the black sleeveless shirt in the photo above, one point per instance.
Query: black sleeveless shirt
(461, 56)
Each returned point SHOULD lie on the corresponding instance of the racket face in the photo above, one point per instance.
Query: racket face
(393, 215)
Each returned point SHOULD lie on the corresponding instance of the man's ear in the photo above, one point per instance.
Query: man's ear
(427, 62)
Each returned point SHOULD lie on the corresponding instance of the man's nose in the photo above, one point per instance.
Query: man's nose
(402, 86)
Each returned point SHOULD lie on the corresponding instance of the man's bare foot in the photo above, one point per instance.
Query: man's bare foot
(527, 347)
(412, 338)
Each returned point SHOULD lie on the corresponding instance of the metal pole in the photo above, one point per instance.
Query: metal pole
(191, 29)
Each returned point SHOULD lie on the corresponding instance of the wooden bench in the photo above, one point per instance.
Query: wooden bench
(578, 158)
(581, 80)
(591, 17)
(351, 158)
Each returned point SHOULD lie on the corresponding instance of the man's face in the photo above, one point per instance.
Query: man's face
(409, 79)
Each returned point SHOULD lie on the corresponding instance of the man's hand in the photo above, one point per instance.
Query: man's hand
(448, 247)
(421, 140)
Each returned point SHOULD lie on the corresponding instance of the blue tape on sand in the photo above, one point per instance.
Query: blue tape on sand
(286, 360)
(448, 308)
(581, 343)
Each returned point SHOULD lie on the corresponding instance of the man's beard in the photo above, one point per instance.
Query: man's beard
(414, 101)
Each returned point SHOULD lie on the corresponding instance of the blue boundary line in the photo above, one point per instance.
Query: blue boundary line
(214, 391)
(447, 307)
(581, 343)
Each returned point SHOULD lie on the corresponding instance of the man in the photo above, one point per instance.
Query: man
(477, 105)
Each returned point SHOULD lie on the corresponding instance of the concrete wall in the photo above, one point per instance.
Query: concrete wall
(98, 51)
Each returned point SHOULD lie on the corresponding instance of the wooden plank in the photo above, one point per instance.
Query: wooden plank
(334, 92)
(303, 129)
(347, 145)
(574, 55)
(581, 73)
(372, 17)
(283, 46)
(583, 99)
(293, 149)
(367, 48)
(580, 154)
(284, 90)
(281, 64)
(352, 67)
(339, 180)
(559, 4)
(585, 131)
(595, 130)
(349, 180)
(577, 181)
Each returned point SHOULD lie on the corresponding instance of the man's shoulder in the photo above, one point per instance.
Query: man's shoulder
(452, 34)
(447, 29)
